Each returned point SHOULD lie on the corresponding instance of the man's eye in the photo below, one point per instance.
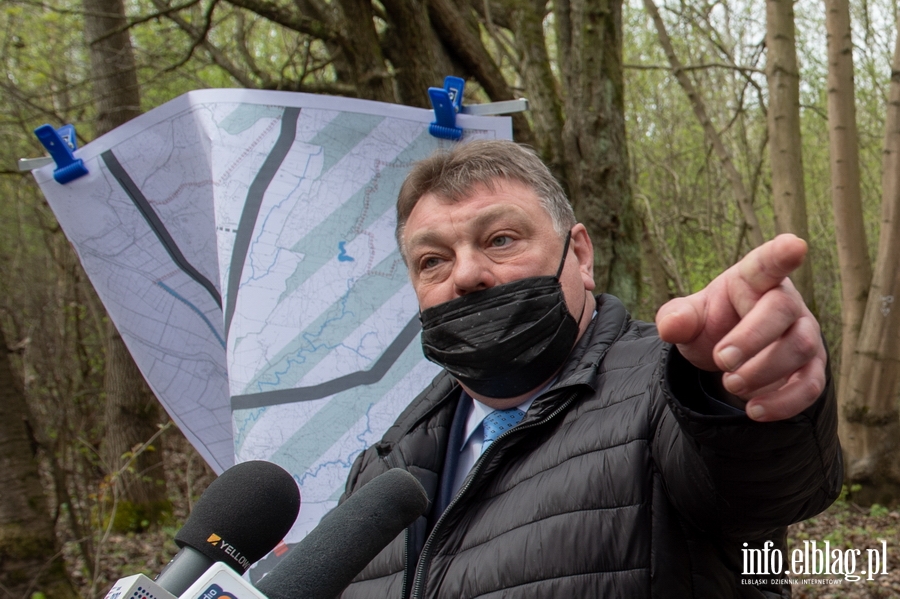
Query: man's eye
(429, 263)
(500, 241)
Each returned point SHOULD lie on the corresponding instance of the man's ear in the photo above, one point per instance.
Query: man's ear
(584, 252)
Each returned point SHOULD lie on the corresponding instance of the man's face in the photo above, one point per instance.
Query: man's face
(489, 238)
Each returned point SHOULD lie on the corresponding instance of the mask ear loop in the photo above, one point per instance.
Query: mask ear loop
(562, 264)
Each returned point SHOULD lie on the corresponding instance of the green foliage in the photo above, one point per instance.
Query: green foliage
(133, 517)
(674, 168)
(836, 537)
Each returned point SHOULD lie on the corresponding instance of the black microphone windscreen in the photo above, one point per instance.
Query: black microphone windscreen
(324, 563)
(243, 514)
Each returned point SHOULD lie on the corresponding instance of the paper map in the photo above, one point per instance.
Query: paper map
(243, 244)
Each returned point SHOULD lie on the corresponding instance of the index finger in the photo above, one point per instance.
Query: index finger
(766, 267)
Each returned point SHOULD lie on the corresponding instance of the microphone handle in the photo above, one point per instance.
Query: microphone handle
(185, 568)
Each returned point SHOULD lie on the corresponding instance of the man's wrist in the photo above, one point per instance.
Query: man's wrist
(711, 385)
(699, 391)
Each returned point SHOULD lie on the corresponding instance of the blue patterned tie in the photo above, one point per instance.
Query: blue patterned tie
(497, 422)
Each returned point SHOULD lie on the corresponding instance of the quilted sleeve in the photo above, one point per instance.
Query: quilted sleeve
(741, 476)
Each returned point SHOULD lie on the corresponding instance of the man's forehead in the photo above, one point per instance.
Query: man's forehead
(453, 192)
(484, 212)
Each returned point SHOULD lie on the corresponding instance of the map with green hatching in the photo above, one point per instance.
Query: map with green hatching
(243, 244)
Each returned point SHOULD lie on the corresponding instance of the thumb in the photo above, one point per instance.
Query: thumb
(679, 320)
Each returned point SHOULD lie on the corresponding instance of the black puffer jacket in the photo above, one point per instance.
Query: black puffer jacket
(610, 487)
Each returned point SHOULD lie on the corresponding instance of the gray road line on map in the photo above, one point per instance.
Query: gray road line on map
(156, 224)
(251, 207)
(362, 377)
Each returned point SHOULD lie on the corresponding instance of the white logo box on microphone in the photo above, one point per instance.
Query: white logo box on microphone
(220, 582)
(137, 587)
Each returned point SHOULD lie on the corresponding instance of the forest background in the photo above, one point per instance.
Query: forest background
(685, 133)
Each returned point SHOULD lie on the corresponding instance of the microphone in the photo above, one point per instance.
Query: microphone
(219, 582)
(324, 563)
(137, 586)
(240, 517)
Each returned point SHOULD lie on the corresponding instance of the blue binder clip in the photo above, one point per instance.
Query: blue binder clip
(446, 102)
(61, 143)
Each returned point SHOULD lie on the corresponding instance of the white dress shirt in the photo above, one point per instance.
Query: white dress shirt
(473, 435)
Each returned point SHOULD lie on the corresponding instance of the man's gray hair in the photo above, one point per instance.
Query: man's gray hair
(453, 173)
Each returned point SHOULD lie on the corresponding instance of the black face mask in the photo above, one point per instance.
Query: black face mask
(506, 340)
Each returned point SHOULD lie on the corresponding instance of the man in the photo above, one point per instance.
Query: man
(626, 467)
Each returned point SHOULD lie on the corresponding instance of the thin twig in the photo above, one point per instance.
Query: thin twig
(693, 67)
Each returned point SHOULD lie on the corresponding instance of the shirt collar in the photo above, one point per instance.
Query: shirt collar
(478, 410)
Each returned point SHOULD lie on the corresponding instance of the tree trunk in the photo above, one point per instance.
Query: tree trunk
(654, 262)
(871, 432)
(132, 413)
(846, 196)
(417, 62)
(455, 22)
(363, 52)
(29, 555)
(132, 416)
(785, 144)
(115, 86)
(589, 36)
(527, 23)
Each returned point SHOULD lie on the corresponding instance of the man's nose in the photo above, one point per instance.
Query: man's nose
(472, 272)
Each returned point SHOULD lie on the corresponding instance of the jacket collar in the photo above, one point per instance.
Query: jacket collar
(606, 326)
(580, 369)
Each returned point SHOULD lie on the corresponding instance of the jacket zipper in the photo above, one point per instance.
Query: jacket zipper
(404, 589)
(425, 557)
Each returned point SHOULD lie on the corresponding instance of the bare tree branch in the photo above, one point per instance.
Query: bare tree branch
(139, 20)
(694, 67)
(290, 19)
(217, 55)
(713, 136)
(249, 60)
(331, 89)
(200, 37)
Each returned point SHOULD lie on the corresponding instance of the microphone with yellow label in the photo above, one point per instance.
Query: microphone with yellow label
(240, 517)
